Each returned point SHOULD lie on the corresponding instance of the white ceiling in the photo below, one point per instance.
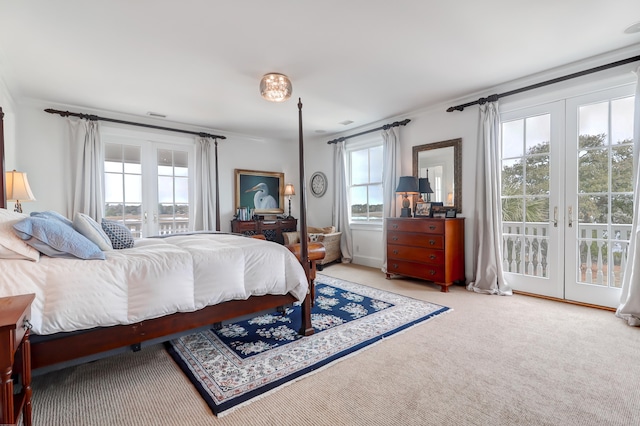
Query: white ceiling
(199, 62)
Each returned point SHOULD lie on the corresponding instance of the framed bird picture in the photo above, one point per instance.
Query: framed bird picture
(262, 192)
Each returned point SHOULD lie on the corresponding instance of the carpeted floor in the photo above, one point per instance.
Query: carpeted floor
(492, 361)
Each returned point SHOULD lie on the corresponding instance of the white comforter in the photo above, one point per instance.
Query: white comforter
(159, 276)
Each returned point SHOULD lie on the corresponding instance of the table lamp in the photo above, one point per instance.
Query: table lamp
(18, 189)
(408, 185)
(289, 190)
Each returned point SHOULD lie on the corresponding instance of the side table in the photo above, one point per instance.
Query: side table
(15, 352)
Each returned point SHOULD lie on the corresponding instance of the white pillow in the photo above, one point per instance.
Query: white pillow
(11, 246)
(92, 230)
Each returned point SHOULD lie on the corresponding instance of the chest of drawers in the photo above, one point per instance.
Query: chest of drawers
(427, 248)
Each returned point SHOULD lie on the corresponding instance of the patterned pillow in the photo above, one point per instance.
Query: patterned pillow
(314, 238)
(119, 235)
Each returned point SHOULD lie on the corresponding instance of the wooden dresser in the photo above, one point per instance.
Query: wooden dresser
(427, 248)
(271, 229)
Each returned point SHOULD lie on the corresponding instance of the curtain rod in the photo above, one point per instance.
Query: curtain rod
(385, 127)
(92, 117)
(495, 97)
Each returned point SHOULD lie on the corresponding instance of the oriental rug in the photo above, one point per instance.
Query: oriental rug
(247, 359)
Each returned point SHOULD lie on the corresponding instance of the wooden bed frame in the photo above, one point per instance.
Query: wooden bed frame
(63, 348)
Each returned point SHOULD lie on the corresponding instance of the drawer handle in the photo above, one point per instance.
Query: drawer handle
(432, 227)
(27, 325)
(432, 242)
(394, 238)
(394, 226)
(395, 265)
(395, 252)
(432, 257)
(432, 272)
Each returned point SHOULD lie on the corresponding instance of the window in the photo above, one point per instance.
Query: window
(148, 183)
(365, 183)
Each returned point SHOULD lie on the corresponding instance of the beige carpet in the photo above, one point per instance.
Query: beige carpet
(492, 361)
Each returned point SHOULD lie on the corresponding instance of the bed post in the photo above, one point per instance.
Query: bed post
(3, 199)
(307, 328)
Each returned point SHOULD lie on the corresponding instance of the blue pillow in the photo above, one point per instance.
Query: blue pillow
(119, 234)
(50, 214)
(55, 238)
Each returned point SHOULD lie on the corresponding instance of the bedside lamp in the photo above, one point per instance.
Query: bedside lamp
(408, 185)
(18, 189)
(289, 190)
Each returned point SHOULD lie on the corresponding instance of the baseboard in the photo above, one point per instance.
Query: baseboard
(371, 262)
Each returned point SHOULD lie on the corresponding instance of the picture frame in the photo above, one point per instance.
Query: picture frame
(249, 184)
(450, 213)
(423, 210)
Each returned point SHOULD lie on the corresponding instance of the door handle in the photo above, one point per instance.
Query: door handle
(555, 217)
(570, 216)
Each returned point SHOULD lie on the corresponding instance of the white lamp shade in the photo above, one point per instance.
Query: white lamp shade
(289, 189)
(18, 188)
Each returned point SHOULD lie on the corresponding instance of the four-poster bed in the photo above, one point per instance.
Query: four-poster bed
(61, 349)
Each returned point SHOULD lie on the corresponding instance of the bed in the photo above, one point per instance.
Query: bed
(86, 308)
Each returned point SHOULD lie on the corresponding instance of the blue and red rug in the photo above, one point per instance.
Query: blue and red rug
(246, 359)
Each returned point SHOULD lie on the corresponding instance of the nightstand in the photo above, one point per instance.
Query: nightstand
(15, 352)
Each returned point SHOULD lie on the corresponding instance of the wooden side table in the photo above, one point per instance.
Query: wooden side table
(15, 313)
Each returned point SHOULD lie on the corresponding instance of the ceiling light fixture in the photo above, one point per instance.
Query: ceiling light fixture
(275, 87)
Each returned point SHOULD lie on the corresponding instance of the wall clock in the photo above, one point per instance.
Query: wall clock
(318, 183)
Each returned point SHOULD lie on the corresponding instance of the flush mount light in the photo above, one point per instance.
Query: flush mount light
(631, 29)
(275, 87)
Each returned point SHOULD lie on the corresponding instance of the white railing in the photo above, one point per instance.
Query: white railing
(602, 257)
(164, 227)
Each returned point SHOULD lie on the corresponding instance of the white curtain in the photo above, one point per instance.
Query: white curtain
(629, 308)
(341, 201)
(487, 236)
(204, 219)
(390, 169)
(85, 178)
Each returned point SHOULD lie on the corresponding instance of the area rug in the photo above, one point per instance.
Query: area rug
(247, 359)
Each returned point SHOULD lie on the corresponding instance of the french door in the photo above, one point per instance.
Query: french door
(567, 196)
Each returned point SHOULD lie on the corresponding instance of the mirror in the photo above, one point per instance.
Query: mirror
(443, 161)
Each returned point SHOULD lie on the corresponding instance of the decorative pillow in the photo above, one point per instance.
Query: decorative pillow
(50, 214)
(91, 229)
(315, 238)
(325, 230)
(55, 238)
(12, 247)
(119, 235)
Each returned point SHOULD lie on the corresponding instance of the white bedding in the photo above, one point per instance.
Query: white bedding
(158, 276)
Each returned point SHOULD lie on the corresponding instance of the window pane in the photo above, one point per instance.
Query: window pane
(512, 177)
(375, 202)
(182, 190)
(165, 157)
(512, 138)
(622, 120)
(593, 166)
(133, 188)
(622, 168)
(594, 120)
(112, 167)
(537, 175)
(180, 159)
(359, 203)
(375, 157)
(360, 167)
(165, 189)
(132, 168)
(113, 188)
(538, 134)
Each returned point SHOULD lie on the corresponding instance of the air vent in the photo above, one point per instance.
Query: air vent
(156, 114)
(345, 122)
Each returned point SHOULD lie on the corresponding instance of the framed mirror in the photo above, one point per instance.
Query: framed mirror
(441, 162)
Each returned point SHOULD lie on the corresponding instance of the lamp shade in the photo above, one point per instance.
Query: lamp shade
(275, 87)
(289, 189)
(408, 185)
(18, 188)
(425, 186)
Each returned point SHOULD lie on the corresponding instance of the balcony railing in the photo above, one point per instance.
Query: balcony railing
(165, 227)
(602, 251)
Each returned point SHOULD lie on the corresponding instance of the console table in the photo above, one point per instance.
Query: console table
(15, 313)
(272, 229)
(427, 248)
